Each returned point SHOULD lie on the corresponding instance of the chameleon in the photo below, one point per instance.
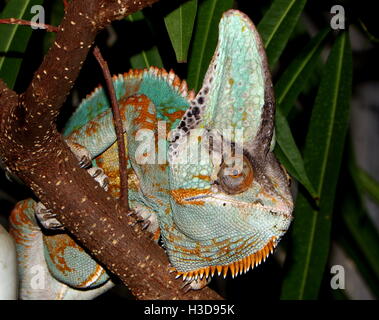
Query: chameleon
(222, 212)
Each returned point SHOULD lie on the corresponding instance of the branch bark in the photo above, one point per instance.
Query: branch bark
(122, 158)
(32, 148)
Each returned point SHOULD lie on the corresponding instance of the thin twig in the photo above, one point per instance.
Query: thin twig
(47, 27)
(119, 129)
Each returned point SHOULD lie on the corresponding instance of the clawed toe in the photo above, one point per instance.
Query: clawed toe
(100, 177)
(147, 218)
(195, 284)
(81, 153)
(146, 224)
(131, 213)
(84, 162)
(47, 218)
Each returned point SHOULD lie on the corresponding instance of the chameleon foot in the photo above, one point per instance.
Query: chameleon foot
(46, 218)
(196, 284)
(149, 218)
(100, 177)
(81, 153)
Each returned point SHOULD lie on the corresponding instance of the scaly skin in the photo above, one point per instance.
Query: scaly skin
(210, 219)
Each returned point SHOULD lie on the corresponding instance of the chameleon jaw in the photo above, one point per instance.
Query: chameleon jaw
(282, 208)
(236, 268)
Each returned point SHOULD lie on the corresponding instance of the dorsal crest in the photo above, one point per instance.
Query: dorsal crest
(169, 94)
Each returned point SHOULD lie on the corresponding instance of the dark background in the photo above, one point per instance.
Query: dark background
(129, 38)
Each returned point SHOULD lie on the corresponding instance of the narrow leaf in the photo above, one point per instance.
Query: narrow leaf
(179, 25)
(277, 25)
(366, 183)
(362, 230)
(289, 154)
(293, 80)
(287, 90)
(351, 248)
(322, 158)
(205, 39)
(364, 237)
(14, 38)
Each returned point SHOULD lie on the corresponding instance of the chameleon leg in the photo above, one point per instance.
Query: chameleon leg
(47, 218)
(36, 280)
(63, 259)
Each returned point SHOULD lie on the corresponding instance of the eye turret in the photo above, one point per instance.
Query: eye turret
(236, 180)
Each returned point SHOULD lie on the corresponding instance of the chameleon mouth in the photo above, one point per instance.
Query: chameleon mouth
(282, 209)
(235, 268)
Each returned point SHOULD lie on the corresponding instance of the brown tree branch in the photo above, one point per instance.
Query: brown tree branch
(114, 104)
(31, 147)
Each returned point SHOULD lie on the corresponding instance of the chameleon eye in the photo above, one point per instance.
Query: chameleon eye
(235, 181)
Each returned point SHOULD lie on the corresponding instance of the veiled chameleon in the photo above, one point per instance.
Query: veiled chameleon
(223, 211)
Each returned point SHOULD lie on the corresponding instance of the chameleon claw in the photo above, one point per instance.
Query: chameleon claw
(139, 220)
(96, 173)
(84, 162)
(47, 218)
(99, 176)
(195, 284)
(55, 226)
(48, 214)
(186, 287)
(149, 218)
(105, 184)
(146, 225)
(131, 213)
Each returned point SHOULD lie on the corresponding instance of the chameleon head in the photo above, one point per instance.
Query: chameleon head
(230, 197)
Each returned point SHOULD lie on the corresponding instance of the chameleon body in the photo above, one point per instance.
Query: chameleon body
(211, 220)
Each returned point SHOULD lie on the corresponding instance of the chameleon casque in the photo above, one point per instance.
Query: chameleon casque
(210, 219)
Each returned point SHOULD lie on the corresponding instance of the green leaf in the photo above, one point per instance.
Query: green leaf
(287, 90)
(277, 25)
(362, 230)
(147, 57)
(179, 25)
(362, 235)
(345, 239)
(294, 78)
(288, 153)
(322, 159)
(14, 38)
(205, 39)
(366, 182)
